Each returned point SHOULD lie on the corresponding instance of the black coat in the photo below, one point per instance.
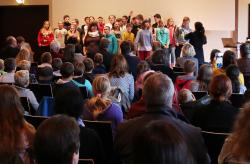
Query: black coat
(127, 130)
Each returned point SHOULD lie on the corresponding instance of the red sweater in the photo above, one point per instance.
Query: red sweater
(45, 38)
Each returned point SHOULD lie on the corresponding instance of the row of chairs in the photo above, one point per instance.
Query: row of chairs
(236, 99)
(103, 129)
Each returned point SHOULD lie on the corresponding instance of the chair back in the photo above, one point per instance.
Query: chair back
(86, 161)
(104, 130)
(34, 120)
(237, 100)
(41, 90)
(214, 142)
(26, 104)
(198, 95)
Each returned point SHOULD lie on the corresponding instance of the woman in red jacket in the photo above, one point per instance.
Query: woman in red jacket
(45, 37)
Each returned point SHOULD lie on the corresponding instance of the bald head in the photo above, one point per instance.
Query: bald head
(158, 90)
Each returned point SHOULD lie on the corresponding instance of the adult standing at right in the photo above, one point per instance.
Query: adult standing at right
(180, 33)
(198, 39)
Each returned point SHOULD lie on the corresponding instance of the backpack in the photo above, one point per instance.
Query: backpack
(118, 96)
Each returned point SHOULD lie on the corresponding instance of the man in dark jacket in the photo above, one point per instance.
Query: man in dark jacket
(158, 94)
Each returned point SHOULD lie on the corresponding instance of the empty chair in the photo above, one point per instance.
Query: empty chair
(34, 120)
(214, 143)
(237, 100)
(86, 161)
(198, 95)
(41, 90)
(104, 130)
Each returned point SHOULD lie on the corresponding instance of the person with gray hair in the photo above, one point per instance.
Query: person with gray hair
(158, 92)
(55, 49)
(21, 83)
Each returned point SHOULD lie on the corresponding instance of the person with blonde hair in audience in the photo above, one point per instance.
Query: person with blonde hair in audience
(25, 65)
(45, 37)
(16, 134)
(237, 146)
(101, 106)
(204, 77)
(23, 54)
(187, 53)
(21, 84)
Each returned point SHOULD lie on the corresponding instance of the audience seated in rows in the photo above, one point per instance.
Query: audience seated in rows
(16, 134)
(158, 108)
(70, 102)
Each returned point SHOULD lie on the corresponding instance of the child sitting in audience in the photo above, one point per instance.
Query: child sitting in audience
(99, 67)
(21, 84)
(184, 81)
(89, 66)
(9, 68)
(25, 65)
(101, 107)
(2, 72)
(79, 80)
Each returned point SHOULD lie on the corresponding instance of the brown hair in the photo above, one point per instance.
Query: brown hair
(189, 66)
(220, 86)
(11, 122)
(23, 54)
(241, 144)
(118, 67)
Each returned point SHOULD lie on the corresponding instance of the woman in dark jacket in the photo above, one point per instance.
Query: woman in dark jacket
(198, 39)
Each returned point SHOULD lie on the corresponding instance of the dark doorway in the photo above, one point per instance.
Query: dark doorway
(23, 20)
(249, 21)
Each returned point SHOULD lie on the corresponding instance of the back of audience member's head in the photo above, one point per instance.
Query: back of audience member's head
(245, 50)
(11, 41)
(205, 73)
(89, 65)
(11, 124)
(46, 58)
(98, 59)
(241, 146)
(233, 73)
(45, 74)
(185, 96)
(24, 65)
(104, 43)
(23, 54)
(56, 64)
(70, 102)
(213, 54)
(67, 70)
(9, 65)
(55, 47)
(79, 69)
(160, 85)
(229, 57)
(142, 67)
(187, 50)
(159, 57)
(22, 78)
(101, 85)
(20, 40)
(160, 142)
(125, 47)
(189, 66)
(220, 87)
(1, 64)
(57, 141)
(118, 67)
